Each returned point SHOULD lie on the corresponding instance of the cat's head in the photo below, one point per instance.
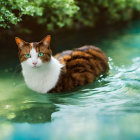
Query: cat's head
(34, 54)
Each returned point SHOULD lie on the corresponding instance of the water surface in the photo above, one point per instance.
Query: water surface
(104, 110)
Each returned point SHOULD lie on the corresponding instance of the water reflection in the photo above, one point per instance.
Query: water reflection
(29, 110)
(34, 114)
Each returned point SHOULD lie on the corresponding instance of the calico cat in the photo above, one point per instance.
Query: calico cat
(60, 73)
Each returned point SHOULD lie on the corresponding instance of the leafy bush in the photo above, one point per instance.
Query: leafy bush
(11, 11)
(60, 13)
(57, 13)
(52, 12)
(107, 11)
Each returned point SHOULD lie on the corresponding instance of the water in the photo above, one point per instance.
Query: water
(104, 110)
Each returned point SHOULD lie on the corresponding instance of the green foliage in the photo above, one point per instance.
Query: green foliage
(11, 11)
(107, 11)
(60, 13)
(52, 12)
(57, 13)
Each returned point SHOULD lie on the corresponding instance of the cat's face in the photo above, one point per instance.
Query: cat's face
(34, 54)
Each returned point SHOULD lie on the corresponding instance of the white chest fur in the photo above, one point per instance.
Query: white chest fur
(44, 78)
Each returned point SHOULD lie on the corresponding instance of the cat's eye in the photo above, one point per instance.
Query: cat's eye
(40, 54)
(28, 55)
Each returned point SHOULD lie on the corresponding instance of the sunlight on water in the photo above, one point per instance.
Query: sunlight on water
(106, 109)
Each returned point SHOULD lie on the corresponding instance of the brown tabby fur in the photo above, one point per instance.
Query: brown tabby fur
(81, 66)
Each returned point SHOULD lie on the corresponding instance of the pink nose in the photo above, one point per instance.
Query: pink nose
(34, 63)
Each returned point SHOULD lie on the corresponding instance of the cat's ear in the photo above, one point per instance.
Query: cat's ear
(46, 40)
(19, 42)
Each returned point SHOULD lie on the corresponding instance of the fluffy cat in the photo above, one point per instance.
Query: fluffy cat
(60, 73)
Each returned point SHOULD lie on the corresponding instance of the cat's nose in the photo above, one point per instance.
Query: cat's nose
(34, 63)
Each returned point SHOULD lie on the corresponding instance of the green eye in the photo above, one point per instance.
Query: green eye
(28, 55)
(40, 54)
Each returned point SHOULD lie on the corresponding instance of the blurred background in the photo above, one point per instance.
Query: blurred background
(107, 109)
(33, 19)
(63, 19)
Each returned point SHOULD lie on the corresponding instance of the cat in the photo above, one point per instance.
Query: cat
(63, 72)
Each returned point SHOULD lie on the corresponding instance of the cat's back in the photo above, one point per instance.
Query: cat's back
(84, 56)
(82, 65)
